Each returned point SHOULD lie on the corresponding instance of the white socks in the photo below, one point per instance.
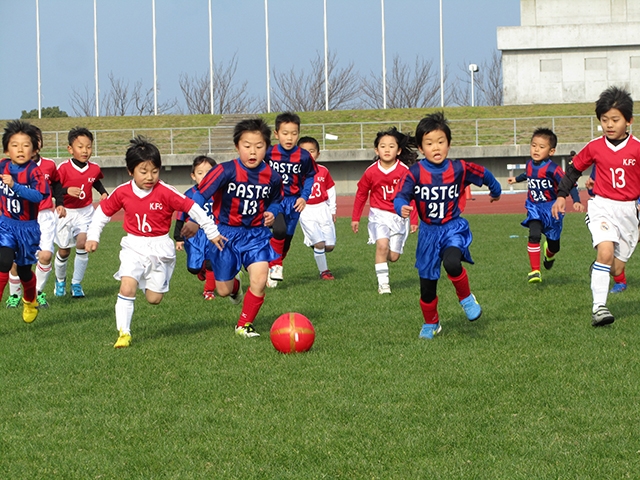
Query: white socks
(124, 312)
(79, 266)
(600, 284)
(15, 286)
(42, 275)
(321, 259)
(382, 272)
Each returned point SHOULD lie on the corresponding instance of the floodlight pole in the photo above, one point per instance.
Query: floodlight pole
(210, 58)
(473, 68)
(266, 28)
(155, 68)
(38, 57)
(384, 60)
(441, 60)
(95, 54)
(326, 60)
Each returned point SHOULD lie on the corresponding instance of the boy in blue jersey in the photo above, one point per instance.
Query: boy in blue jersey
(298, 169)
(246, 198)
(436, 184)
(542, 177)
(22, 188)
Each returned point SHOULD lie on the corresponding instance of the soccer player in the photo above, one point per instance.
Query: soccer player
(318, 217)
(77, 176)
(148, 256)
(435, 184)
(543, 176)
(22, 188)
(387, 230)
(612, 214)
(297, 169)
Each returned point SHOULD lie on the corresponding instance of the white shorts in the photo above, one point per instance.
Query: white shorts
(613, 221)
(47, 221)
(76, 222)
(383, 224)
(317, 225)
(148, 260)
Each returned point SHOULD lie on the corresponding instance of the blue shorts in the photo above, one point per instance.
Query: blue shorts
(551, 227)
(291, 217)
(244, 246)
(23, 236)
(433, 240)
(196, 248)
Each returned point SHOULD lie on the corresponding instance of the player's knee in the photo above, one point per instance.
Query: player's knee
(554, 246)
(44, 257)
(154, 298)
(25, 273)
(452, 262)
(535, 239)
(6, 259)
(329, 248)
(194, 271)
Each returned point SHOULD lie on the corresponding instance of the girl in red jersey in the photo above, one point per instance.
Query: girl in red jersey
(148, 255)
(387, 230)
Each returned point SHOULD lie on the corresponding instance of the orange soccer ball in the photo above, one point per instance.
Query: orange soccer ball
(292, 332)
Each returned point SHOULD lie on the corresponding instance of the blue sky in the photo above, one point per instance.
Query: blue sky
(182, 41)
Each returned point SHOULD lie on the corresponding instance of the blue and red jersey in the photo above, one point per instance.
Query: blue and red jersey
(207, 207)
(240, 195)
(436, 189)
(542, 180)
(296, 167)
(22, 201)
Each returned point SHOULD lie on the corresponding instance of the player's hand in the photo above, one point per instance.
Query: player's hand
(558, 208)
(7, 180)
(61, 211)
(405, 211)
(494, 199)
(355, 226)
(189, 229)
(511, 180)
(589, 183)
(413, 228)
(334, 216)
(269, 218)
(578, 207)
(179, 246)
(219, 242)
(74, 191)
(299, 205)
(91, 246)
(103, 196)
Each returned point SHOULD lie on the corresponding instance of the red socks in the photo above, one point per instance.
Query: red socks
(29, 289)
(534, 255)
(430, 311)
(278, 247)
(622, 278)
(210, 281)
(461, 284)
(250, 308)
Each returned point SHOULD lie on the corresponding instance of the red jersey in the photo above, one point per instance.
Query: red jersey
(50, 171)
(322, 182)
(617, 167)
(146, 215)
(73, 176)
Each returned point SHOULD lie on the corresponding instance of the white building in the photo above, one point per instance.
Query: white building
(569, 51)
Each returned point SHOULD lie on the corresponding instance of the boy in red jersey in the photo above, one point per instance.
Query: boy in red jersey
(612, 215)
(22, 188)
(436, 184)
(318, 217)
(77, 176)
(148, 256)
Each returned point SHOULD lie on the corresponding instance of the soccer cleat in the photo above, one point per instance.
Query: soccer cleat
(13, 301)
(209, 295)
(429, 330)
(275, 273)
(60, 289)
(124, 340)
(471, 307)
(76, 291)
(42, 300)
(602, 316)
(246, 331)
(534, 277)
(546, 261)
(29, 310)
(617, 288)
(327, 275)
(270, 282)
(237, 298)
(384, 288)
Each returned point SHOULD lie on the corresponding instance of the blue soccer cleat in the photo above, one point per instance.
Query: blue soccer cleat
(618, 287)
(430, 330)
(471, 307)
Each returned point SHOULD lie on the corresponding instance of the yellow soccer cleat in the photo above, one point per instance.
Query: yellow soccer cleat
(124, 340)
(29, 310)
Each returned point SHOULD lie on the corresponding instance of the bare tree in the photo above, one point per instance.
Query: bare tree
(117, 101)
(142, 102)
(83, 104)
(487, 83)
(304, 92)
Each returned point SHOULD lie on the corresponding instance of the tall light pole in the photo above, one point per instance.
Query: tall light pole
(326, 60)
(266, 28)
(441, 60)
(95, 54)
(155, 71)
(38, 57)
(473, 68)
(384, 61)
(210, 58)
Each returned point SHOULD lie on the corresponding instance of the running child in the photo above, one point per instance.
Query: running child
(436, 184)
(196, 247)
(379, 182)
(612, 215)
(77, 176)
(246, 196)
(297, 169)
(318, 217)
(543, 176)
(148, 256)
(22, 188)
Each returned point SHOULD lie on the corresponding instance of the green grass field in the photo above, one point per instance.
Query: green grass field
(530, 390)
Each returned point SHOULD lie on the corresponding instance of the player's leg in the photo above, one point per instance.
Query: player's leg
(7, 255)
(209, 282)
(600, 283)
(43, 271)
(277, 243)
(533, 249)
(30, 305)
(381, 266)
(620, 281)
(64, 239)
(80, 264)
(319, 255)
(60, 267)
(15, 288)
(452, 263)
(429, 307)
(124, 310)
(550, 249)
(253, 299)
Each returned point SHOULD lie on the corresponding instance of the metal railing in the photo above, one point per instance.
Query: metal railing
(348, 136)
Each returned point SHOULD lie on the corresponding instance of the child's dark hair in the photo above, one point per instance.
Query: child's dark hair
(430, 123)
(309, 140)
(39, 135)
(141, 150)
(252, 125)
(200, 159)
(18, 126)
(547, 134)
(287, 117)
(407, 155)
(615, 97)
(79, 132)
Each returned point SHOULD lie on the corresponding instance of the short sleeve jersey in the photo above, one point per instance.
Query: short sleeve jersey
(73, 176)
(321, 183)
(542, 180)
(379, 185)
(146, 215)
(50, 171)
(12, 205)
(295, 166)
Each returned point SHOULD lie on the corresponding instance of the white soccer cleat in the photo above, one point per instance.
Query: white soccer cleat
(275, 273)
(384, 288)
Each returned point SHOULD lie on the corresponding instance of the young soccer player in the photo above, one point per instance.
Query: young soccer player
(22, 188)
(435, 184)
(612, 215)
(318, 217)
(197, 246)
(246, 197)
(297, 169)
(387, 230)
(543, 176)
(148, 256)
(77, 176)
